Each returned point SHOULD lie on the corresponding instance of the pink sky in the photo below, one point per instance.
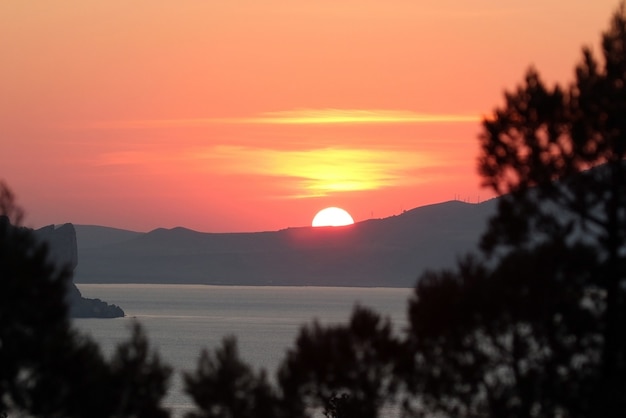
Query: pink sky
(250, 115)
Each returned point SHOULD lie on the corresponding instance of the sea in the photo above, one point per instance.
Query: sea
(182, 320)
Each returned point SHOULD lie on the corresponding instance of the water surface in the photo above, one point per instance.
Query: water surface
(181, 320)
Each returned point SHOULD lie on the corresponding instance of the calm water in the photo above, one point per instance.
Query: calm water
(182, 319)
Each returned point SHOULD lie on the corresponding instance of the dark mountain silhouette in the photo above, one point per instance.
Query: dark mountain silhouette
(91, 236)
(392, 251)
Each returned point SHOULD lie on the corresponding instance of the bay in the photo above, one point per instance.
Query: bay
(181, 320)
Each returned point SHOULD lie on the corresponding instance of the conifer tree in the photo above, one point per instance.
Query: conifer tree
(537, 328)
(47, 368)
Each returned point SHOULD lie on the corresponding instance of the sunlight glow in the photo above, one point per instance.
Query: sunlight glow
(355, 116)
(319, 172)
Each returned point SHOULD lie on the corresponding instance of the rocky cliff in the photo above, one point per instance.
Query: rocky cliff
(64, 252)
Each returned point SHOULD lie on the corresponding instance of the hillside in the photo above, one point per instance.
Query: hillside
(392, 251)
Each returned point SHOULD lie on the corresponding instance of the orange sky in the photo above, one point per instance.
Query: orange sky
(250, 115)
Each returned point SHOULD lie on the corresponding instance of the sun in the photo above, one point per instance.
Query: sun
(332, 217)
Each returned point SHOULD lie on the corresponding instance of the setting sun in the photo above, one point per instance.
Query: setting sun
(332, 217)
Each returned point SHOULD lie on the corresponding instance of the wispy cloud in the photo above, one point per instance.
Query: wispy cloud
(301, 163)
(318, 172)
(354, 116)
(301, 117)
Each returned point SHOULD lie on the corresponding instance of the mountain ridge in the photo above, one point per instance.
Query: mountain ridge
(390, 251)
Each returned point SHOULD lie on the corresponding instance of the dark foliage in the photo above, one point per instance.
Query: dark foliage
(46, 368)
(520, 340)
(538, 329)
(337, 406)
(32, 309)
(139, 379)
(349, 370)
(223, 386)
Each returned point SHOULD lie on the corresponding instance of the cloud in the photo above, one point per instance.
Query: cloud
(354, 116)
(301, 117)
(318, 172)
(302, 161)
